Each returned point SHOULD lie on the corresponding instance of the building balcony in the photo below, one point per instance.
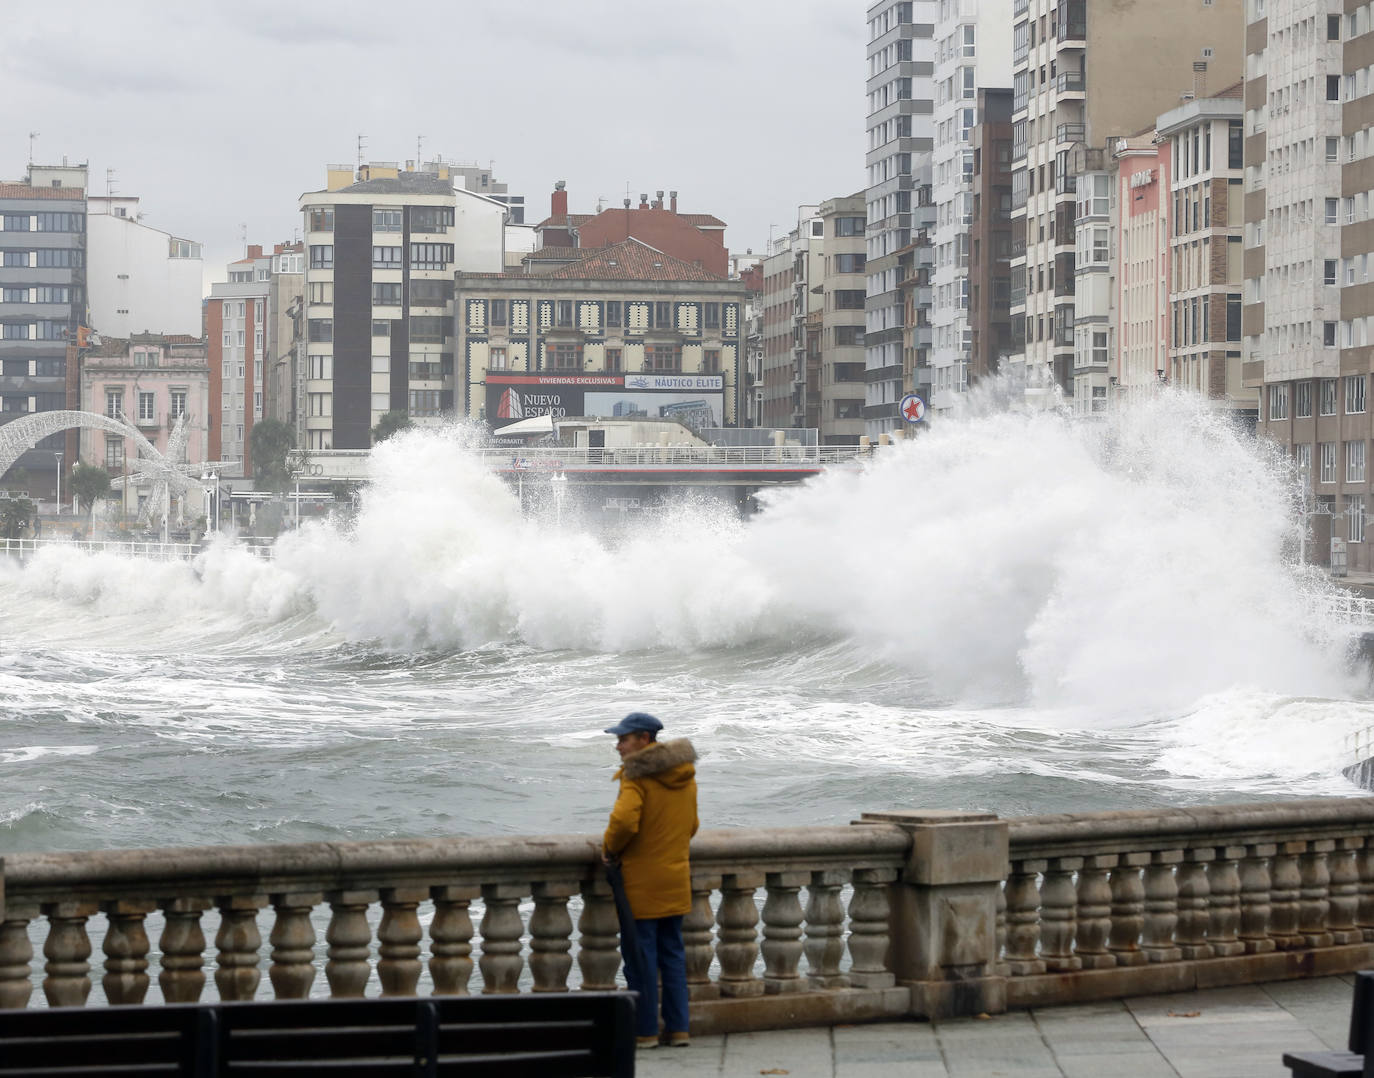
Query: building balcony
(1019, 54)
(1018, 297)
(1019, 8)
(1070, 86)
(1066, 133)
(1072, 24)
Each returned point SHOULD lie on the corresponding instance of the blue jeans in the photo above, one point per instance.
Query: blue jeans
(660, 951)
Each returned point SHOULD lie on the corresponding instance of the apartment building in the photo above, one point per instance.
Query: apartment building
(251, 331)
(901, 138)
(792, 267)
(382, 247)
(626, 330)
(989, 321)
(42, 300)
(1086, 73)
(1307, 301)
(1202, 155)
(840, 347)
(153, 380)
(481, 181)
(972, 50)
(141, 279)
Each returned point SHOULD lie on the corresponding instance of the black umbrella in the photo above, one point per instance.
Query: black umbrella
(629, 943)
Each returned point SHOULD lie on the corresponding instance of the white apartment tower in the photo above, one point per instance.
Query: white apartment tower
(972, 51)
(901, 136)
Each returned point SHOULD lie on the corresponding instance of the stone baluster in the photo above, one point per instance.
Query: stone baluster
(67, 948)
(16, 955)
(1223, 882)
(1194, 903)
(698, 931)
(782, 933)
(1345, 892)
(1128, 910)
(182, 943)
(398, 940)
(551, 936)
(1058, 915)
(1023, 918)
(1364, 916)
(126, 950)
(999, 931)
(502, 930)
(238, 941)
(292, 971)
(350, 943)
(1314, 896)
(1256, 913)
(1094, 912)
(450, 939)
(824, 946)
(598, 956)
(738, 945)
(870, 928)
(1285, 885)
(1161, 907)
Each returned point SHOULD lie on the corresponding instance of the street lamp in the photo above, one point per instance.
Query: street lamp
(212, 477)
(58, 454)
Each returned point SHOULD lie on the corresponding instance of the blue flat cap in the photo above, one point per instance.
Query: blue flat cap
(634, 723)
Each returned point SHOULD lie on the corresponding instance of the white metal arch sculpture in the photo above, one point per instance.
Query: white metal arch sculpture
(24, 433)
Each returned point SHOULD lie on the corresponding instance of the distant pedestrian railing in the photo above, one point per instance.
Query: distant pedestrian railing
(26, 548)
(927, 914)
(794, 456)
(1349, 608)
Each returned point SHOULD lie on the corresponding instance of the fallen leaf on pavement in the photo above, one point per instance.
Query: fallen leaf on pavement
(775, 1070)
(982, 1015)
(1183, 1014)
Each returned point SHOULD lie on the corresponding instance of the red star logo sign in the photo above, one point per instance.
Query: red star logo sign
(913, 408)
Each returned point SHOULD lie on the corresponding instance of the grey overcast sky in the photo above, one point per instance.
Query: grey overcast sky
(220, 116)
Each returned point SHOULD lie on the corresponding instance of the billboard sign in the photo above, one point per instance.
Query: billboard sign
(696, 400)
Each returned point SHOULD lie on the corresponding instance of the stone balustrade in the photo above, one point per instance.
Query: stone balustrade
(922, 913)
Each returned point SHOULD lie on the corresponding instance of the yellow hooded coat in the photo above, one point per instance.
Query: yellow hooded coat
(652, 825)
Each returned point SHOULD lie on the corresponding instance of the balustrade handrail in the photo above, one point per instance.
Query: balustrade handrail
(1037, 837)
(544, 457)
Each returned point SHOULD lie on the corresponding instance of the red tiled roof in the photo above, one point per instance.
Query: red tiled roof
(564, 254)
(631, 261)
(562, 220)
(23, 190)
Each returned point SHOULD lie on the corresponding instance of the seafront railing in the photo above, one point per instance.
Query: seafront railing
(128, 548)
(926, 914)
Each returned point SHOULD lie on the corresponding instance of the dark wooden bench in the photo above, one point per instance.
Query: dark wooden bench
(562, 1035)
(1358, 1062)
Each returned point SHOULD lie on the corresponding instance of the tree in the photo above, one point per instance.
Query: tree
(391, 423)
(89, 484)
(272, 440)
(15, 514)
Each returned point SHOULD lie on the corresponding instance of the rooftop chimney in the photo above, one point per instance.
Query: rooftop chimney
(627, 203)
(673, 204)
(658, 200)
(255, 250)
(644, 200)
(558, 206)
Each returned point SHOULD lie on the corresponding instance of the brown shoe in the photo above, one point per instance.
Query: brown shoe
(647, 1042)
(679, 1040)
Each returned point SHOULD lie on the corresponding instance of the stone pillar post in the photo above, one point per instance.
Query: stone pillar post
(944, 911)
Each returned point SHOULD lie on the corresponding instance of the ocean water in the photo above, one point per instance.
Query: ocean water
(1013, 613)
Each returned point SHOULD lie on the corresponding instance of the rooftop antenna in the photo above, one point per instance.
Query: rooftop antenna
(362, 148)
(243, 237)
(109, 182)
(33, 137)
(419, 149)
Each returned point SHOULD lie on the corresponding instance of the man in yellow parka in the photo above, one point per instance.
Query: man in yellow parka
(651, 826)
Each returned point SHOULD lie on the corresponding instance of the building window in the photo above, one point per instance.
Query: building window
(1327, 396)
(381, 327)
(1333, 28)
(114, 404)
(565, 357)
(1354, 394)
(386, 258)
(565, 312)
(386, 293)
(386, 220)
(1354, 462)
(431, 218)
(178, 403)
(1333, 87)
(430, 255)
(662, 357)
(114, 453)
(321, 330)
(1329, 334)
(322, 256)
(1302, 400)
(322, 368)
(710, 312)
(498, 312)
(147, 407)
(1355, 512)
(16, 222)
(1278, 402)
(849, 226)
(849, 299)
(16, 258)
(321, 291)
(663, 315)
(496, 359)
(429, 329)
(424, 402)
(1329, 271)
(1327, 462)
(613, 361)
(613, 312)
(321, 220)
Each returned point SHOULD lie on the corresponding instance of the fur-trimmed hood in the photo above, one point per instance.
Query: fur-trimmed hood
(668, 762)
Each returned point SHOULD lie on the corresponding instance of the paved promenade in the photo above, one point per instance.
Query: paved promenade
(1232, 1032)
